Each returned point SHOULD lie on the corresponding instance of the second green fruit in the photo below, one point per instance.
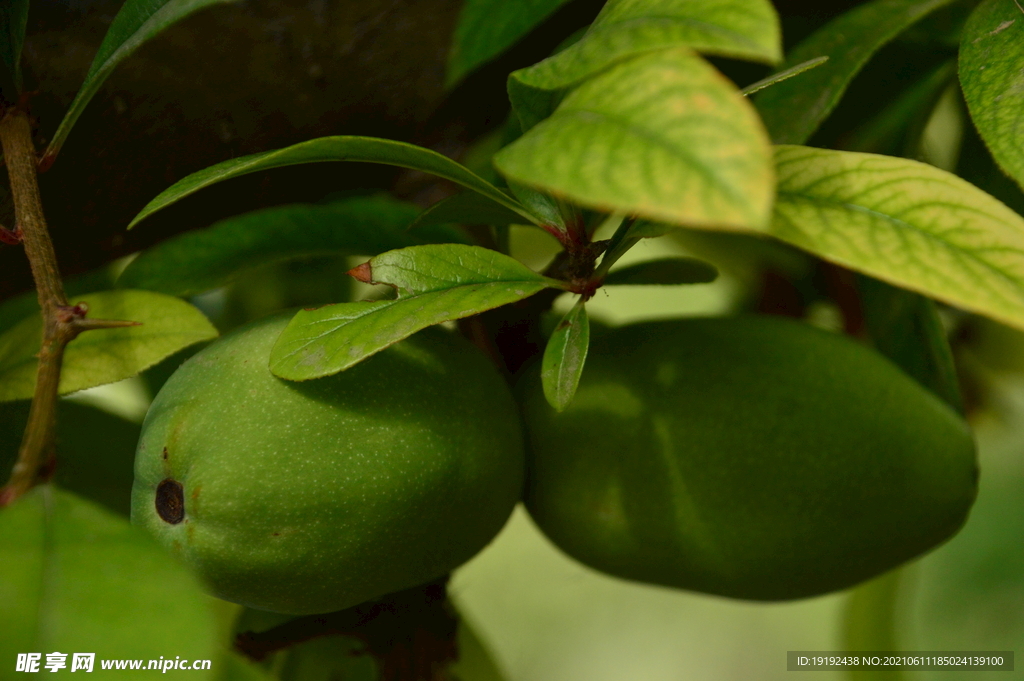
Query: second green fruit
(752, 457)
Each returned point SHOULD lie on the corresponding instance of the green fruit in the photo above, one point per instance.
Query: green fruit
(752, 457)
(312, 497)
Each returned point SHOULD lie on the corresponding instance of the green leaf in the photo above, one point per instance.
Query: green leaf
(134, 24)
(466, 208)
(991, 54)
(564, 356)
(75, 578)
(435, 284)
(340, 148)
(784, 74)
(745, 29)
(662, 136)
(104, 356)
(906, 328)
(95, 451)
(663, 272)
(904, 222)
(13, 20)
(486, 28)
(793, 110)
(206, 259)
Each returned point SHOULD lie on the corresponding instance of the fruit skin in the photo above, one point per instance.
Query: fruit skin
(311, 497)
(751, 457)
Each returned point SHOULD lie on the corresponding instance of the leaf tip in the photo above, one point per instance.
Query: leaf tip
(363, 273)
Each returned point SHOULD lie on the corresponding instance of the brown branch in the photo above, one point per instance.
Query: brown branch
(61, 322)
(411, 633)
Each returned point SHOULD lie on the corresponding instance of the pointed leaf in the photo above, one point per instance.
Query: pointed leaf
(745, 29)
(205, 259)
(904, 222)
(466, 208)
(435, 284)
(134, 24)
(991, 55)
(564, 357)
(75, 578)
(486, 28)
(662, 136)
(663, 272)
(793, 110)
(340, 148)
(782, 75)
(13, 20)
(98, 357)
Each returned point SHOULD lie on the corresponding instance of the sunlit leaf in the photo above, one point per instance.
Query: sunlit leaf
(486, 28)
(663, 272)
(662, 136)
(13, 20)
(904, 222)
(75, 578)
(168, 324)
(794, 109)
(341, 148)
(206, 259)
(991, 56)
(135, 23)
(434, 283)
(564, 357)
(745, 29)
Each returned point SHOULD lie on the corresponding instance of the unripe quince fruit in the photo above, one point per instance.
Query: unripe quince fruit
(752, 457)
(312, 497)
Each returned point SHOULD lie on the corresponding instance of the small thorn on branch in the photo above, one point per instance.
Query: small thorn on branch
(93, 324)
(74, 317)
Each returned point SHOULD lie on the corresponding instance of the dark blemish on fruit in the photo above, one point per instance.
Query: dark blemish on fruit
(165, 453)
(170, 501)
(277, 534)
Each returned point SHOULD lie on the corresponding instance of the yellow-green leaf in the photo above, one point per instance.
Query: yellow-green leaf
(663, 136)
(904, 222)
(991, 73)
(167, 325)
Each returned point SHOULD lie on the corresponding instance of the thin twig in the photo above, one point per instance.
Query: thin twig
(61, 322)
